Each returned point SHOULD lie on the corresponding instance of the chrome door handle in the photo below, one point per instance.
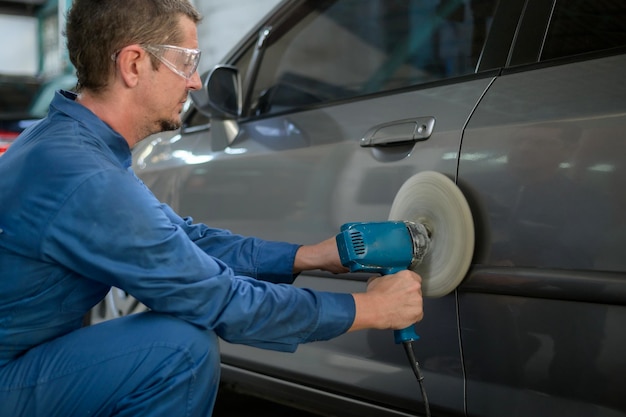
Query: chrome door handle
(399, 131)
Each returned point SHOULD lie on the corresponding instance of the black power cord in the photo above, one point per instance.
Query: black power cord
(408, 348)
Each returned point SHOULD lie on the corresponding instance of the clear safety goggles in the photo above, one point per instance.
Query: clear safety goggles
(182, 61)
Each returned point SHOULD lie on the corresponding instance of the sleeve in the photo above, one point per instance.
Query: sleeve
(114, 231)
(261, 259)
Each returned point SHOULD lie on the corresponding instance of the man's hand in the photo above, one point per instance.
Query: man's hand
(324, 256)
(390, 302)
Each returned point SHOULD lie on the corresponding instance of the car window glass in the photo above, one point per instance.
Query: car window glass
(580, 26)
(347, 48)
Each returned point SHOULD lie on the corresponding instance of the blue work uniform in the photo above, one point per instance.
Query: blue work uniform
(74, 221)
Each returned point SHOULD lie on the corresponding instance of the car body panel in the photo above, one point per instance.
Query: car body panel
(548, 181)
(298, 177)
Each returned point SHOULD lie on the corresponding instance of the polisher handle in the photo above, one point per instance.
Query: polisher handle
(405, 335)
(408, 333)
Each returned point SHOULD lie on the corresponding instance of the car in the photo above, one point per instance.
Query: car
(327, 107)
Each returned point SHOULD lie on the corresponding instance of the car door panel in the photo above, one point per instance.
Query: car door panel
(309, 170)
(541, 161)
(298, 177)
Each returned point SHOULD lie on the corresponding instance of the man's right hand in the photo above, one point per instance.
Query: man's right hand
(390, 302)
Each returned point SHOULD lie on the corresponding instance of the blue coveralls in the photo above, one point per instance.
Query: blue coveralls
(74, 221)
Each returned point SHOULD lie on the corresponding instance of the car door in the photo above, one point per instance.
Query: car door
(542, 161)
(343, 102)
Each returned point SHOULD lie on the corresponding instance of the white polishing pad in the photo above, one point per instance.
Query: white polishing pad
(434, 200)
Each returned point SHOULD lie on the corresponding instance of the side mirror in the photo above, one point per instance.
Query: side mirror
(221, 98)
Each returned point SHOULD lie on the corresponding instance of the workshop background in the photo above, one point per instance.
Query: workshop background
(33, 53)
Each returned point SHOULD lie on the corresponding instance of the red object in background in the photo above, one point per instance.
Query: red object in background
(6, 138)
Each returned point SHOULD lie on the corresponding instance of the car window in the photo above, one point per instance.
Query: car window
(342, 49)
(580, 26)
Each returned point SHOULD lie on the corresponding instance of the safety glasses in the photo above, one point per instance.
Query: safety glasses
(182, 61)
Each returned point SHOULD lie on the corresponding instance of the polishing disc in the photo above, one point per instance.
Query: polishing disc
(434, 200)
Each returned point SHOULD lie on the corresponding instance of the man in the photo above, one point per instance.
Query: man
(74, 221)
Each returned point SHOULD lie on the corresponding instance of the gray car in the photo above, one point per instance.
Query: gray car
(321, 114)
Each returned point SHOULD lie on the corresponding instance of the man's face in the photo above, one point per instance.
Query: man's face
(170, 90)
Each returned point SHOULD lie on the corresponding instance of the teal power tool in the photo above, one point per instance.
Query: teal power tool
(430, 231)
(384, 248)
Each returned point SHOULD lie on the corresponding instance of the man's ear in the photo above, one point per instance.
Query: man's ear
(131, 61)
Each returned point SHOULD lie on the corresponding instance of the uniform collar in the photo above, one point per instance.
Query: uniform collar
(64, 102)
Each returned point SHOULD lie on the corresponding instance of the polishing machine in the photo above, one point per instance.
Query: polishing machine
(430, 231)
